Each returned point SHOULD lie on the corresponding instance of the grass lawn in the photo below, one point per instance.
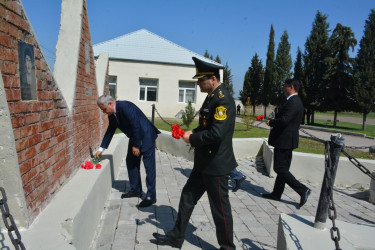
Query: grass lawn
(371, 115)
(346, 126)
(305, 145)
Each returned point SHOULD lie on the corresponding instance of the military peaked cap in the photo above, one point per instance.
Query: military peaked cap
(205, 68)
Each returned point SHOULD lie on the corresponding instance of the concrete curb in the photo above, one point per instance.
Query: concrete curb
(298, 230)
(71, 218)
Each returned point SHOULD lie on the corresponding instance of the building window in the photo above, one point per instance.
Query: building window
(113, 86)
(186, 92)
(148, 89)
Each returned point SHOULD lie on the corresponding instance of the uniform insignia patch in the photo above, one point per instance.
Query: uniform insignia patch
(221, 113)
(221, 94)
(212, 95)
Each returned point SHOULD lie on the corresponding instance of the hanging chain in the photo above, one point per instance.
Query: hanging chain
(332, 214)
(358, 164)
(9, 222)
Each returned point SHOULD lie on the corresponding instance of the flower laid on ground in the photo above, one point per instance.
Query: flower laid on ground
(90, 164)
(260, 117)
(177, 132)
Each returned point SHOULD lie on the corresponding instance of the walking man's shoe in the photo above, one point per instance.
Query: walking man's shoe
(130, 194)
(270, 196)
(304, 197)
(148, 201)
(238, 184)
(163, 240)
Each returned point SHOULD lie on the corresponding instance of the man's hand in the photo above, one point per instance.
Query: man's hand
(97, 154)
(136, 151)
(186, 136)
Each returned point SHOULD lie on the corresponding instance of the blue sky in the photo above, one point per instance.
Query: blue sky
(233, 29)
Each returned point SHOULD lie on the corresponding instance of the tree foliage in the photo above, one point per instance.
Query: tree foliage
(188, 115)
(298, 73)
(339, 74)
(252, 83)
(316, 50)
(283, 67)
(364, 67)
(269, 73)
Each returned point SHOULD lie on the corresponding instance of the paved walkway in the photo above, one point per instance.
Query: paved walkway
(123, 226)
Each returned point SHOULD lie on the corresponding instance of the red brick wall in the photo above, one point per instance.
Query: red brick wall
(51, 143)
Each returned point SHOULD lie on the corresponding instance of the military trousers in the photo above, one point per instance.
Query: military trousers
(217, 191)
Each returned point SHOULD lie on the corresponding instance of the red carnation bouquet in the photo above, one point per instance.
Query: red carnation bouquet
(260, 117)
(177, 132)
(90, 164)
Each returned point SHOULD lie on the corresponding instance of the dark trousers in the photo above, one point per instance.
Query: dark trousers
(217, 191)
(133, 164)
(282, 159)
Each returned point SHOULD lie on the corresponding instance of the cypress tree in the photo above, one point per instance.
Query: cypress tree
(316, 50)
(252, 83)
(365, 69)
(283, 67)
(269, 73)
(227, 79)
(298, 73)
(339, 73)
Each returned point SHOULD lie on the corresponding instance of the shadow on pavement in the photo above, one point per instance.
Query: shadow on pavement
(163, 217)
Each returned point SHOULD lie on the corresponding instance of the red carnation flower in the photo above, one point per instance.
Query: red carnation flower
(177, 132)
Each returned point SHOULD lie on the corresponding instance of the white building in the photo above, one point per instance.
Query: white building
(147, 69)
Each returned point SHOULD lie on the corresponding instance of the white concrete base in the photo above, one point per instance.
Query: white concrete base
(298, 232)
(71, 218)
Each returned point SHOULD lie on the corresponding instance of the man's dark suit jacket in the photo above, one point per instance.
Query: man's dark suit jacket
(134, 124)
(284, 128)
(212, 139)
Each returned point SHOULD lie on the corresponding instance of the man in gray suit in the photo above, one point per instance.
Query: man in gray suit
(284, 137)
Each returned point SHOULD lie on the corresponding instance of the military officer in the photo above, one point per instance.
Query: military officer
(213, 160)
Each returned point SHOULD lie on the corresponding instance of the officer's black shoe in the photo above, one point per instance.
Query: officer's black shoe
(130, 194)
(148, 201)
(238, 184)
(304, 197)
(271, 197)
(164, 240)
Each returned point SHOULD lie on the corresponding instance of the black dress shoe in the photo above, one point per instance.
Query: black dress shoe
(304, 197)
(148, 201)
(164, 240)
(238, 184)
(130, 194)
(271, 197)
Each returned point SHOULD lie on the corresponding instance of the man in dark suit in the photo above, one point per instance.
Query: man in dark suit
(284, 137)
(142, 135)
(213, 160)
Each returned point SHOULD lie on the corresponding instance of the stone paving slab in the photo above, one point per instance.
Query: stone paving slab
(124, 226)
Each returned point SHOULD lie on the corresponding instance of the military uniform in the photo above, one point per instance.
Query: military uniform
(213, 161)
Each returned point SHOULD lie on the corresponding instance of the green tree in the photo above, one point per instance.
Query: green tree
(364, 66)
(247, 118)
(206, 54)
(316, 50)
(298, 74)
(269, 73)
(252, 83)
(188, 115)
(227, 79)
(283, 67)
(339, 73)
(217, 59)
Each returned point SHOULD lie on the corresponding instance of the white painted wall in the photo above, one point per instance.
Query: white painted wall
(128, 74)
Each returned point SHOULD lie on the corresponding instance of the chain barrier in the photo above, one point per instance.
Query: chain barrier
(9, 222)
(168, 122)
(332, 214)
(358, 164)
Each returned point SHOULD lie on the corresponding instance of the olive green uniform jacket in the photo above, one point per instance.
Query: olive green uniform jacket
(212, 139)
